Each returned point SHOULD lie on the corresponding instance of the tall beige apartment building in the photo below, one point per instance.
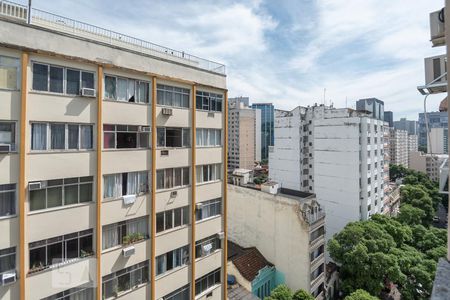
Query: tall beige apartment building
(113, 154)
(398, 147)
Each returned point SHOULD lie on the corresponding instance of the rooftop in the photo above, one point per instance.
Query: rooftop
(39, 18)
(237, 292)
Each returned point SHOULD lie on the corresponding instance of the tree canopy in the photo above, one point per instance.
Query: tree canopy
(403, 250)
(282, 292)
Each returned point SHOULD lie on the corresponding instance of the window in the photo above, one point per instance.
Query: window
(317, 252)
(61, 192)
(173, 177)
(9, 73)
(206, 282)
(60, 136)
(206, 173)
(60, 249)
(209, 101)
(125, 232)
(125, 280)
(317, 233)
(183, 293)
(8, 134)
(208, 137)
(208, 209)
(121, 184)
(172, 96)
(127, 90)
(317, 272)
(172, 218)
(7, 260)
(207, 246)
(57, 79)
(173, 137)
(7, 199)
(172, 259)
(84, 292)
(126, 136)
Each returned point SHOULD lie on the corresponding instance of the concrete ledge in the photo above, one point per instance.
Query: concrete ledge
(441, 288)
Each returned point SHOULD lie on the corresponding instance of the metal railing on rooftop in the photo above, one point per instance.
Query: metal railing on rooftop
(59, 23)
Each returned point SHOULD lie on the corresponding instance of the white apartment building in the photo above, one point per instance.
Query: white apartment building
(413, 143)
(244, 135)
(288, 229)
(338, 154)
(111, 165)
(427, 163)
(398, 147)
(438, 141)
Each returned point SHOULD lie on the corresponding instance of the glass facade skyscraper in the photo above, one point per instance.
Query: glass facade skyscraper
(267, 122)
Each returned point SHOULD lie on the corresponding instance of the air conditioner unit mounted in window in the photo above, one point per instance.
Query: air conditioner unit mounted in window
(5, 148)
(167, 111)
(435, 75)
(198, 206)
(37, 185)
(144, 128)
(211, 114)
(437, 28)
(164, 152)
(173, 194)
(8, 278)
(85, 92)
(128, 251)
(221, 235)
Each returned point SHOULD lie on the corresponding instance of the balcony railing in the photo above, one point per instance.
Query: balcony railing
(62, 24)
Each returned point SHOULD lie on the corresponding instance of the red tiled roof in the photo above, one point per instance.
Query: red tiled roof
(249, 261)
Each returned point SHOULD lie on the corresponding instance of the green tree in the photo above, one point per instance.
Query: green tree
(360, 294)
(410, 215)
(302, 295)
(281, 292)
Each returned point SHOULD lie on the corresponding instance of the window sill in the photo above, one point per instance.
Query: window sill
(208, 291)
(167, 273)
(208, 147)
(206, 256)
(8, 217)
(174, 107)
(209, 182)
(172, 189)
(46, 210)
(121, 198)
(105, 251)
(9, 152)
(124, 149)
(9, 90)
(171, 230)
(208, 219)
(59, 265)
(121, 101)
(60, 151)
(173, 148)
(121, 294)
(209, 111)
(59, 94)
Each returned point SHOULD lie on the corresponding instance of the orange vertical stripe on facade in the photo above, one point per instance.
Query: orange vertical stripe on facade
(193, 188)
(22, 181)
(153, 195)
(99, 178)
(225, 204)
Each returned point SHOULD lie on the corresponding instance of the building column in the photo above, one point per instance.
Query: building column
(193, 186)
(99, 197)
(447, 42)
(22, 164)
(225, 204)
(153, 193)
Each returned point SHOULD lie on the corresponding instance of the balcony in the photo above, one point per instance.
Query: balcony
(441, 290)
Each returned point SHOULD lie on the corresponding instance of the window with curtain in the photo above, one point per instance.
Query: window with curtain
(126, 89)
(172, 177)
(83, 292)
(208, 281)
(210, 208)
(172, 259)
(131, 183)
(208, 173)
(172, 218)
(183, 293)
(9, 72)
(113, 234)
(7, 260)
(8, 134)
(125, 280)
(207, 246)
(62, 136)
(172, 96)
(8, 196)
(207, 137)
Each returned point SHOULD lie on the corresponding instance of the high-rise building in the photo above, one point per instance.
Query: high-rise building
(427, 163)
(389, 118)
(267, 133)
(398, 147)
(409, 125)
(244, 134)
(109, 186)
(373, 105)
(338, 154)
(435, 120)
(413, 143)
(438, 141)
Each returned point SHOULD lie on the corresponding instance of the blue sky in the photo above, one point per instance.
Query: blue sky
(287, 52)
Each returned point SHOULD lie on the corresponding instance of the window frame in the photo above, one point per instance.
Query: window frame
(211, 176)
(183, 143)
(124, 225)
(184, 260)
(183, 210)
(81, 181)
(142, 267)
(216, 203)
(205, 281)
(209, 101)
(64, 80)
(140, 193)
(200, 141)
(173, 180)
(165, 89)
(128, 130)
(15, 199)
(216, 245)
(7, 252)
(48, 138)
(14, 134)
(137, 83)
(18, 71)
